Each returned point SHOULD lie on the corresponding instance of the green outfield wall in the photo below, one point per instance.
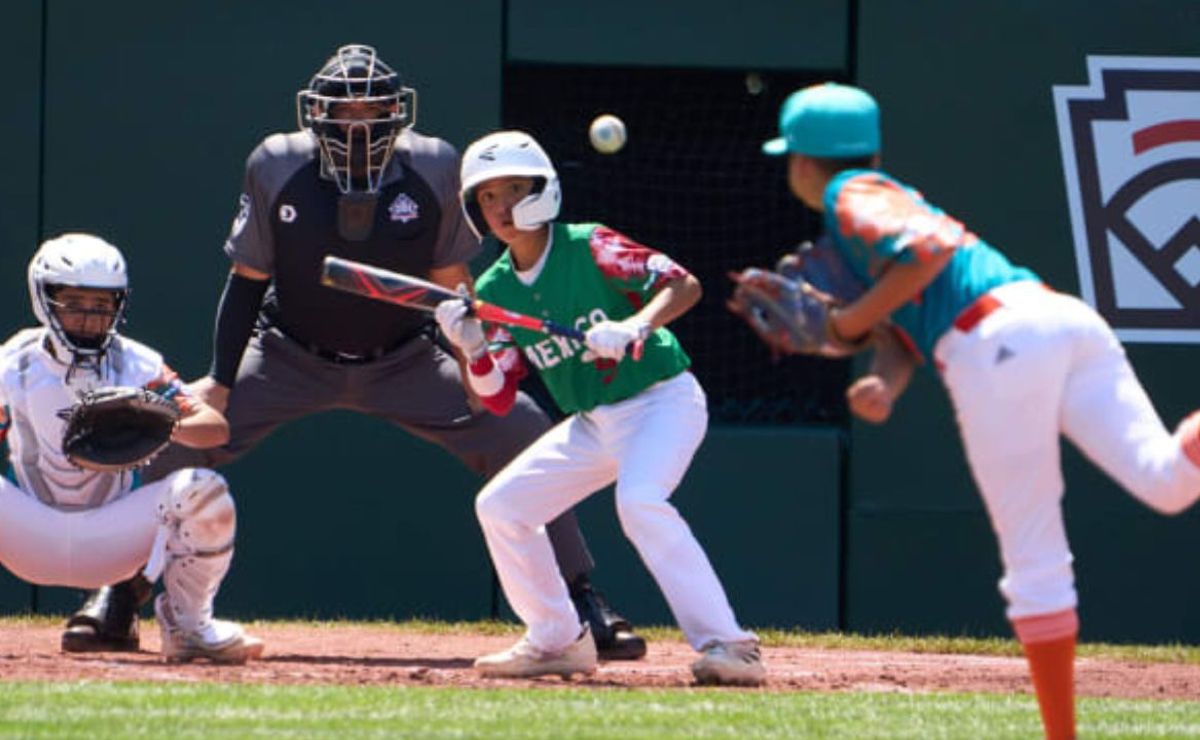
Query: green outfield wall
(133, 120)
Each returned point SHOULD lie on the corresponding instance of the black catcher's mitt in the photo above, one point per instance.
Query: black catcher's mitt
(118, 428)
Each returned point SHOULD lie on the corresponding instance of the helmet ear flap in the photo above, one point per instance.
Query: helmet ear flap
(511, 154)
(540, 206)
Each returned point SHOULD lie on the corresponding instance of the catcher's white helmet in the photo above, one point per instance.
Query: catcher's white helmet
(82, 261)
(516, 154)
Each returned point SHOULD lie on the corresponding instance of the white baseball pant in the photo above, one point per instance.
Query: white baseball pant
(1042, 364)
(81, 548)
(183, 524)
(645, 444)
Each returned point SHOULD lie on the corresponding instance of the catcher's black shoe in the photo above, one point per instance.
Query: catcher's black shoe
(614, 636)
(108, 620)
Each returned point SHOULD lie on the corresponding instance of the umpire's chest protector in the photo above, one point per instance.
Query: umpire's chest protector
(304, 219)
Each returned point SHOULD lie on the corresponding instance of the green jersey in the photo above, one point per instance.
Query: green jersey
(591, 274)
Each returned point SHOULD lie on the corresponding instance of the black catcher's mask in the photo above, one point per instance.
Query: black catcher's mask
(356, 107)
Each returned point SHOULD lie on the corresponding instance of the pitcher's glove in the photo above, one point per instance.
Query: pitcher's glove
(788, 315)
(823, 268)
(789, 308)
(118, 428)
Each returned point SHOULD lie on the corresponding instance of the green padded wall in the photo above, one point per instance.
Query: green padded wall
(20, 190)
(764, 34)
(150, 109)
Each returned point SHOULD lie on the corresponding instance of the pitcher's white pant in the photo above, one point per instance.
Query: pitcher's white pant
(645, 444)
(187, 518)
(1043, 364)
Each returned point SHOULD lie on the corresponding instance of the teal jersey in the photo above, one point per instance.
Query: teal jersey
(591, 274)
(875, 220)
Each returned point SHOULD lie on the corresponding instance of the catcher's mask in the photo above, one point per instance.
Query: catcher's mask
(78, 261)
(355, 106)
(511, 154)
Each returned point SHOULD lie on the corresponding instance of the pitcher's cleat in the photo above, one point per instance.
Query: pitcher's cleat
(523, 660)
(730, 664)
(219, 641)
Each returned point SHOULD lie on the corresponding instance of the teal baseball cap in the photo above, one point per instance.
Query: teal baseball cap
(827, 120)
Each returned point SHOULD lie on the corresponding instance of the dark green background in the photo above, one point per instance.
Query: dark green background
(133, 120)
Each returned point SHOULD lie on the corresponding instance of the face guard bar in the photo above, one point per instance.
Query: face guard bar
(355, 150)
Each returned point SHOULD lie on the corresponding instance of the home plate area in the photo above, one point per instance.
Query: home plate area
(332, 653)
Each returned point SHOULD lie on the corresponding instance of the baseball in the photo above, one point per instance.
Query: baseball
(607, 134)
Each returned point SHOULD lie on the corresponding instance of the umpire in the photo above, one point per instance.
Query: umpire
(355, 181)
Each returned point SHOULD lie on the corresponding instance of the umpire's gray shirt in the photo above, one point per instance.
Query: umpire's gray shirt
(287, 223)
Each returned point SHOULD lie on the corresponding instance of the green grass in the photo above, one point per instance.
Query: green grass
(210, 710)
(1171, 653)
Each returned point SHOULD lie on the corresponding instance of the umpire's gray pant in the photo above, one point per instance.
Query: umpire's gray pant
(418, 387)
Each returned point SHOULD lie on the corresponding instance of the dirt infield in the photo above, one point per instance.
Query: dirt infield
(381, 655)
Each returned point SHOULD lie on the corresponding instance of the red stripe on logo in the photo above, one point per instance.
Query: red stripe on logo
(1162, 134)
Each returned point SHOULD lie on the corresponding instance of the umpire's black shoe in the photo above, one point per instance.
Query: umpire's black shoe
(613, 633)
(108, 620)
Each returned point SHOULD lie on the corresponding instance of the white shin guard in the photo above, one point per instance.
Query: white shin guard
(197, 523)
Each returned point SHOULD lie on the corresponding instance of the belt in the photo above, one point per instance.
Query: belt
(970, 316)
(339, 357)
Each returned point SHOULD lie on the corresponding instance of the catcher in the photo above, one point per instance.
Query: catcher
(81, 408)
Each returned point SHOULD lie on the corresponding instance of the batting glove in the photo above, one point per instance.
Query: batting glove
(463, 330)
(610, 339)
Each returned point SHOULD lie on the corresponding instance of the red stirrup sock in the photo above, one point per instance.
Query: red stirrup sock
(1188, 435)
(1049, 643)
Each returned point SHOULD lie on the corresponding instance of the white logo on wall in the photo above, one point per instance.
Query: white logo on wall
(403, 209)
(1131, 155)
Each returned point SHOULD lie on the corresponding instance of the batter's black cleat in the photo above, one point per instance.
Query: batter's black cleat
(108, 620)
(614, 636)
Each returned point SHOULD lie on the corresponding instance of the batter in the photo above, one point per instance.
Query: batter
(636, 414)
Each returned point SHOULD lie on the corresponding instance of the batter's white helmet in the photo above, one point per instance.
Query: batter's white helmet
(81, 261)
(511, 154)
